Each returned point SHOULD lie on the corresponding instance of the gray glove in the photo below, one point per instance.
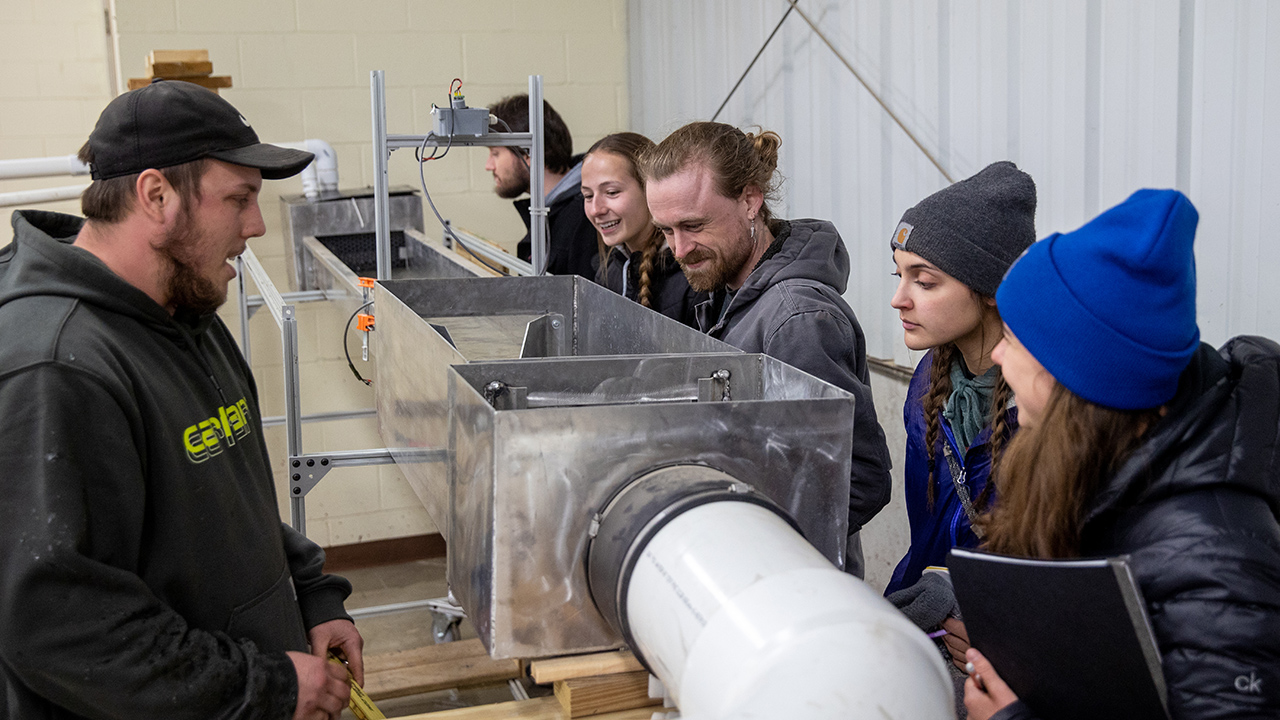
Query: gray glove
(928, 602)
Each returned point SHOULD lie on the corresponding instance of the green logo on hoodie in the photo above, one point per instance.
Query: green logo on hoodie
(207, 438)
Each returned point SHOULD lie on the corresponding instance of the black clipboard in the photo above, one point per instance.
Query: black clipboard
(1070, 637)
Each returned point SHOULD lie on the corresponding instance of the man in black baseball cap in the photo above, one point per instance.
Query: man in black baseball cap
(144, 570)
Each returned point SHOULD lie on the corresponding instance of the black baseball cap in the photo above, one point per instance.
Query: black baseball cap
(173, 122)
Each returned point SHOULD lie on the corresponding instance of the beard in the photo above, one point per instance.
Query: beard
(514, 186)
(719, 268)
(187, 288)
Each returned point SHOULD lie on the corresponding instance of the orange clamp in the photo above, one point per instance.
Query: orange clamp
(367, 282)
(364, 322)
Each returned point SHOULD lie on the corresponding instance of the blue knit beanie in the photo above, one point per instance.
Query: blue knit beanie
(1110, 309)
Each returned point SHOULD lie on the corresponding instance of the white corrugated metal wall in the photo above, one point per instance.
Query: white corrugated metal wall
(1093, 99)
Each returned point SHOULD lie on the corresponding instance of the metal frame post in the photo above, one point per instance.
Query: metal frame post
(381, 154)
(537, 176)
(244, 311)
(292, 409)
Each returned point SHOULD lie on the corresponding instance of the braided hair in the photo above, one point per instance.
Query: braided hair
(630, 146)
(935, 399)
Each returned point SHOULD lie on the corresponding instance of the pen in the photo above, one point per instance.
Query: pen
(977, 679)
(937, 633)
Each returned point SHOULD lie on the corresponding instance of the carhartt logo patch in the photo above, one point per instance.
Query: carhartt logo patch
(901, 234)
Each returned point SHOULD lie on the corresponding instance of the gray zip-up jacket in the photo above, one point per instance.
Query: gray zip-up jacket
(791, 308)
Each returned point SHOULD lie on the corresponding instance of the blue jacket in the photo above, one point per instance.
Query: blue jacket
(937, 530)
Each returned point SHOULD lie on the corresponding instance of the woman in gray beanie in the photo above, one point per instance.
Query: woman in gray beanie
(951, 250)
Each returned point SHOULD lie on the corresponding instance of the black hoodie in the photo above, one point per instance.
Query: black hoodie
(146, 572)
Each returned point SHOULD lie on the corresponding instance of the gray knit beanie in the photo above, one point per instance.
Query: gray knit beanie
(975, 229)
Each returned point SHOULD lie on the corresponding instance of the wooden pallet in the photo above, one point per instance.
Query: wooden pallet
(546, 708)
(435, 667)
(604, 686)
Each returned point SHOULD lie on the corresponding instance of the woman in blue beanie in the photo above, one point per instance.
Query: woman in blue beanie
(1138, 439)
(951, 250)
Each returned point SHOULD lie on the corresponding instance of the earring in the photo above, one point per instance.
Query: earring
(753, 229)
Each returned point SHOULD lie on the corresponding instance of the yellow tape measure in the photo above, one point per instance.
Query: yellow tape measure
(361, 706)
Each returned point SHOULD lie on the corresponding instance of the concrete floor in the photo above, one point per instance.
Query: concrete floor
(417, 580)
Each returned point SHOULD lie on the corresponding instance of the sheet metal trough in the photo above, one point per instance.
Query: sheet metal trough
(492, 319)
(347, 212)
(530, 474)
(610, 391)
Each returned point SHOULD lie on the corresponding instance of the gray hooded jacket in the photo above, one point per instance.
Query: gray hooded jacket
(791, 308)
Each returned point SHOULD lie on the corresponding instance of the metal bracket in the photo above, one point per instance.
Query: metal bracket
(714, 388)
(307, 470)
(545, 337)
(506, 397)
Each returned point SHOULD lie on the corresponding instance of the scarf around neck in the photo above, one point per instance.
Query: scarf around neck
(970, 402)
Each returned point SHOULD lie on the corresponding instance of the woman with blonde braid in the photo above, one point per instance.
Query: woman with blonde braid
(634, 260)
(951, 251)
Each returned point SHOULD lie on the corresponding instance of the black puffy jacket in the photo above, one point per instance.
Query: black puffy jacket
(1196, 509)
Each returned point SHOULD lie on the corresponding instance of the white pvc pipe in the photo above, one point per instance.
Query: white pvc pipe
(43, 195)
(42, 167)
(740, 617)
(322, 174)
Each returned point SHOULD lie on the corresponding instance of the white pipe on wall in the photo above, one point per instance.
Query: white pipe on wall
(739, 616)
(322, 174)
(42, 167)
(43, 195)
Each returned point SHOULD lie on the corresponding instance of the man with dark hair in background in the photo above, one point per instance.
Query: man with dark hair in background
(144, 569)
(571, 239)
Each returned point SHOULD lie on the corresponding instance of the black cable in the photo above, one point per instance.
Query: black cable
(422, 178)
(791, 6)
(351, 364)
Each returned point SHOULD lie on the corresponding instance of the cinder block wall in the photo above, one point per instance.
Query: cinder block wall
(301, 70)
(54, 84)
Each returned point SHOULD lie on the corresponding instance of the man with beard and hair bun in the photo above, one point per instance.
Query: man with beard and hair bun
(144, 569)
(775, 285)
(571, 238)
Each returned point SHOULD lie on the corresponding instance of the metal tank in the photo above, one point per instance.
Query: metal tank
(600, 391)
(424, 326)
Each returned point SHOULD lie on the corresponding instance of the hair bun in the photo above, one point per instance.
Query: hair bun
(766, 147)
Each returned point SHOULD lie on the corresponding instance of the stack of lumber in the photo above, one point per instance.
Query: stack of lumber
(191, 66)
(589, 685)
(603, 686)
